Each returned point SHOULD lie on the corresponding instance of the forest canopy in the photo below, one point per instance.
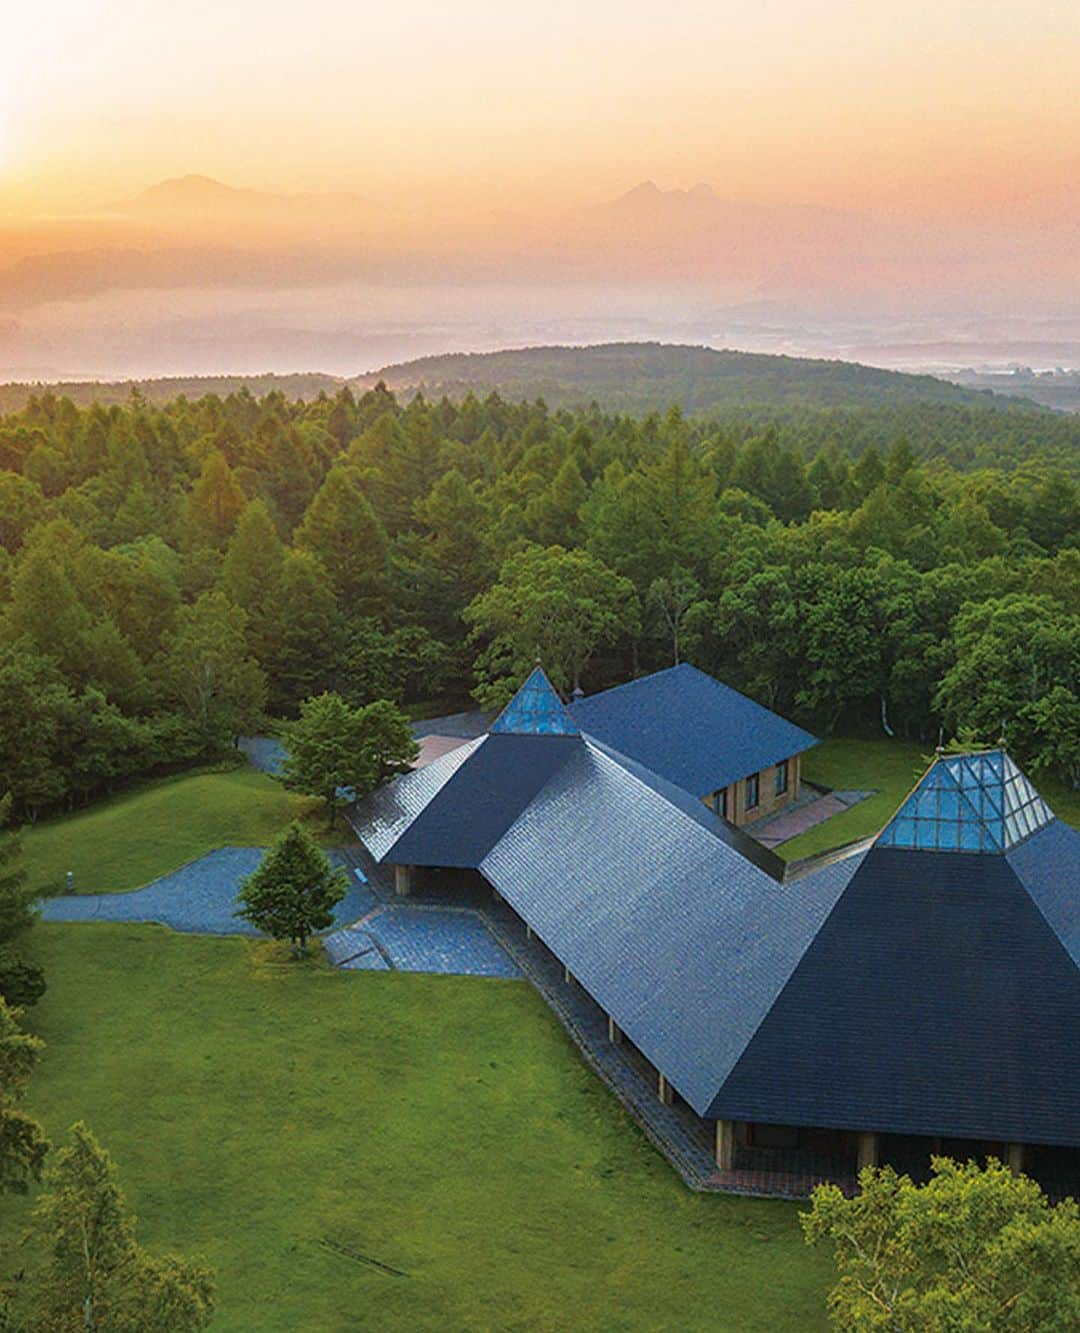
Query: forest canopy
(172, 574)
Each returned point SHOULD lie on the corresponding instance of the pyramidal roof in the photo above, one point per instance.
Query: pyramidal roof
(968, 803)
(536, 710)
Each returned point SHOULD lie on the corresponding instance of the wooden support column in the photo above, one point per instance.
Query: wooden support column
(868, 1149)
(528, 931)
(725, 1144)
(566, 976)
(614, 1032)
(1014, 1157)
(402, 880)
(664, 1090)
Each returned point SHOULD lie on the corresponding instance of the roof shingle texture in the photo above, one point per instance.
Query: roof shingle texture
(691, 729)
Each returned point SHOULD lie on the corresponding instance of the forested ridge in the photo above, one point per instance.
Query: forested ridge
(172, 574)
(637, 377)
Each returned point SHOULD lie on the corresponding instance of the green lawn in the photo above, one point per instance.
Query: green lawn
(444, 1125)
(131, 839)
(891, 768)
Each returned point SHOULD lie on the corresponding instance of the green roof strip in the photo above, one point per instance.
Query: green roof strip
(977, 802)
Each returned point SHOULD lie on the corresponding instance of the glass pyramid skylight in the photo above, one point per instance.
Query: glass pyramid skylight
(968, 803)
(536, 710)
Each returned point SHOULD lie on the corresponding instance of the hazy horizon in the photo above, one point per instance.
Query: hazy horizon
(369, 185)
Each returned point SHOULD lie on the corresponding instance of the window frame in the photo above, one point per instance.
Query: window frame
(780, 786)
(752, 784)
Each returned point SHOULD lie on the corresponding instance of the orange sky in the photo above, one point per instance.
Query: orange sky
(915, 107)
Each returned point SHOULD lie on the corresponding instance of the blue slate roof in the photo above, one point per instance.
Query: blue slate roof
(935, 999)
(700, 813)
(691, 729)
(383, 816)
(888, 989)
(454, 818)
(673, 932)
(1048, 866)
(942, 994)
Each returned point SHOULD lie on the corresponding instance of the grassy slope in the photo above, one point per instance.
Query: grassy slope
(891, 768)
(133, 838)
(444, 1125)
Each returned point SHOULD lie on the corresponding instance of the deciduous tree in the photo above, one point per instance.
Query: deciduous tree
(96, 1275)
(974, 1248)
(334, 748)
(210, 673)
(561, 604)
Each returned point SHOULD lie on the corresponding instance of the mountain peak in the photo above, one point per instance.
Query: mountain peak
(646, 190)
(191, 186)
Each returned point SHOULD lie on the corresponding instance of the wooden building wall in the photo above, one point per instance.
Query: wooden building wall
(769, 802)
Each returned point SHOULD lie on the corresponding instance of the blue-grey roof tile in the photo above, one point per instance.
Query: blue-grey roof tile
(684, 941)
(691, 729)
(1048, 866)
(383, 816)
(458, 823)
(935, 999)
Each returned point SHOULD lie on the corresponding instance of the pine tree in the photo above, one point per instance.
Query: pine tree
(215, 501)
(22, 1140)
(17, 896)
(306, 655)
(340, 528)
(294, 891)
(251, 578)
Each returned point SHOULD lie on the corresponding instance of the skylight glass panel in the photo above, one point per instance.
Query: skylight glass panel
(970, 803)
(536, 710)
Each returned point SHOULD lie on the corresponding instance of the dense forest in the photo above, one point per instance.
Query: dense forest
(171, 575)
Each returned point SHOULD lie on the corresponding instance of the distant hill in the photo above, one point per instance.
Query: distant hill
(13, 397)
(620, 377)
(643, 377)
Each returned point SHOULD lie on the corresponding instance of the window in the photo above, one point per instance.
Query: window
(718, 802)
(752, 791)
(781, 777)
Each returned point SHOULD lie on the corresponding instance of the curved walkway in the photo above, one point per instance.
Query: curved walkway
(371, 930)
(199, 898)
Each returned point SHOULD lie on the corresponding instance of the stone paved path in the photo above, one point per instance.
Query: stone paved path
(372, 929)
(796, 819)
(199, 898)
(420, 937)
